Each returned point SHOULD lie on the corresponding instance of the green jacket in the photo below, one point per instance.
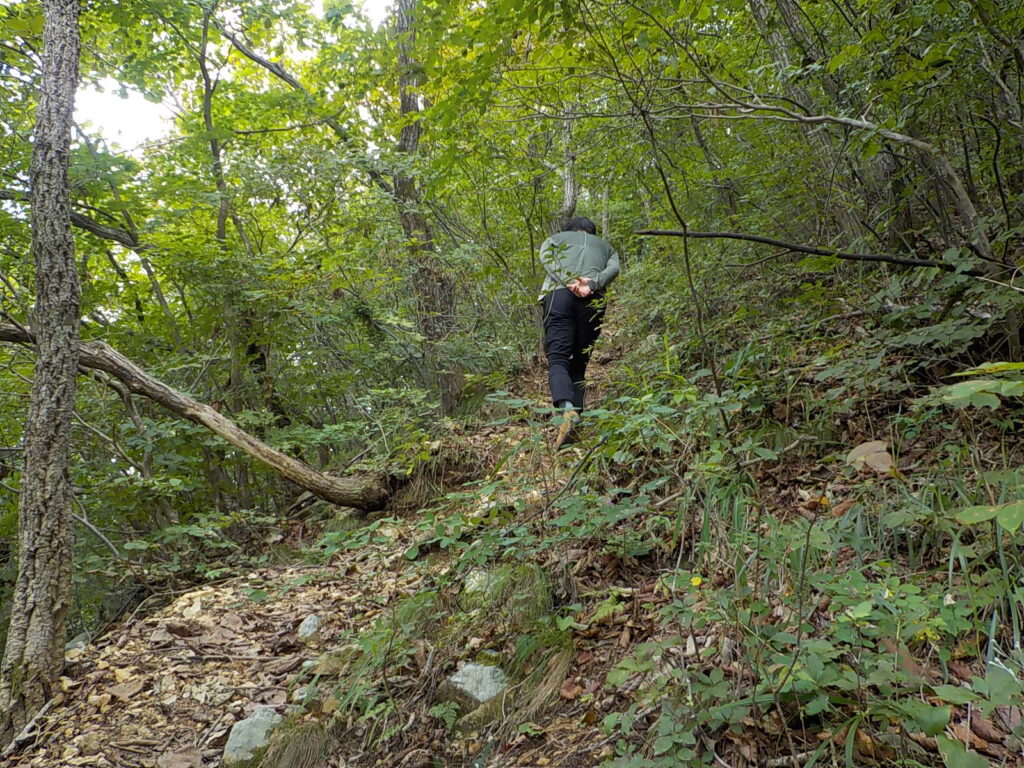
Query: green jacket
(569, 255)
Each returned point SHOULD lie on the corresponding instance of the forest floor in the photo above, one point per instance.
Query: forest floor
(164, 688)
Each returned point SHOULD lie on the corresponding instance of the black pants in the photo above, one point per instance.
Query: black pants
(571, 326)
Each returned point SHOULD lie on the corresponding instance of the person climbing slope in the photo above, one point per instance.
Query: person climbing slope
(579, 265)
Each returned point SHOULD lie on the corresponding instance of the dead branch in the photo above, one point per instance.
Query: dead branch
(809, 249)
(364, 493)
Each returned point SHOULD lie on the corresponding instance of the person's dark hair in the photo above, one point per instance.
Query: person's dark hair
(580, 224)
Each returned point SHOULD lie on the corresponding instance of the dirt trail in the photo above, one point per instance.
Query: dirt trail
(163, 690)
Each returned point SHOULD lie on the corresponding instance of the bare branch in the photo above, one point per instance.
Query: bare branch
(809, 249)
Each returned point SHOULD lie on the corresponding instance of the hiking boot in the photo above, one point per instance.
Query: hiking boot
(566, 433)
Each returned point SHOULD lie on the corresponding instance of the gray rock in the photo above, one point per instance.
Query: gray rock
(482, 588)
(77, 643)
(473, 685)
(309, 627)
(249, 736)
(304, 693)
(477, 580)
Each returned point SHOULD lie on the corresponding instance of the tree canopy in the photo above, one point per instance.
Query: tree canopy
(334, 251)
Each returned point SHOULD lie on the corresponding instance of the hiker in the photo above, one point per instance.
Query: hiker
(579, 265)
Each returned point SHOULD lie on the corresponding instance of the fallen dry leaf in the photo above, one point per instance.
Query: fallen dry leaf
(873, 455)
(1010, 716)
(965, 736)
(842, 507)
(986, 730)
(193, 610)
(126, 691)
(570, 689)
(189, 758)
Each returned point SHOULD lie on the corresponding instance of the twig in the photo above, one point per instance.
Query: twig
(814, 250)
(99, 535)
(572, 478)
(29, 732)
(1004, 285)
(791, 446)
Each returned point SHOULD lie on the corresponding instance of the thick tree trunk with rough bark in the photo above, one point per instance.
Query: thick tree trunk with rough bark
(34, 654)
(361, 492)
(434, 287)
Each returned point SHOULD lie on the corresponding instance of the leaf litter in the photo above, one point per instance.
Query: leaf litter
(164, 691)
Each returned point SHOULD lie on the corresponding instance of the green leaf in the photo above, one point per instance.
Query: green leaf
(955, 694)
(861, 610)
(663, 744)
(1003, 687)
(990, 368)
(985, 400)
(1011, 515)
(956, 755)
(931, 720)
(973, 515)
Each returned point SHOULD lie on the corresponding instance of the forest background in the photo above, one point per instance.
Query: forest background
(334, 252)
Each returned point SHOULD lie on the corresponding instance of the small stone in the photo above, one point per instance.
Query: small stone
(303, 693)
(309, 627)
(333, 663)
(78, 643)
(473, 685)
(91, 743)
(249, 736)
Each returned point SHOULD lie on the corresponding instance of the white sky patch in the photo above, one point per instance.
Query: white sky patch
(377, 10)
(128, 122)
(133, 122)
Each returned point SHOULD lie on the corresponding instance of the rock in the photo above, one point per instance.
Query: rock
(478, 586)
(249, 736)
(91, 743)
(477, 580)
(473, 685)
(309, 627)
(78, 643)
(333, 663)
(520, 592)
(304, 694)
(340, 519)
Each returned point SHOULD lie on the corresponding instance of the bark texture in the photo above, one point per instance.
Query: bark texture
(434, 288)
(34, 654)
(365, 493)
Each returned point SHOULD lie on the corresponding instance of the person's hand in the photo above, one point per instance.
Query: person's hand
(583, 288)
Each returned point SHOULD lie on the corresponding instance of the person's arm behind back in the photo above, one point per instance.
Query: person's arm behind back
(610, 271)
(551, 258)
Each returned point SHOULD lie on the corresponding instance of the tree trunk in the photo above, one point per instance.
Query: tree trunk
(34, 654)
(826, 157)
(366, 493)
(434, 287)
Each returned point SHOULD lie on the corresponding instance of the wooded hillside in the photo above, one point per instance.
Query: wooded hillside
(307, 342)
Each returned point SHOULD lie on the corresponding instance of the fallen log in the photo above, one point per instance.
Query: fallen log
(361, 492)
